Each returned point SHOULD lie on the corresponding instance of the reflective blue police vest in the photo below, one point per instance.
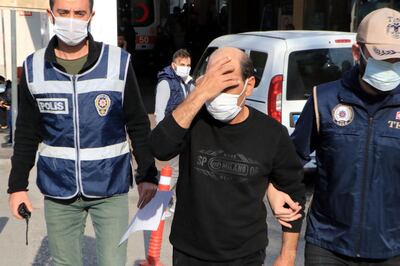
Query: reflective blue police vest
(355, 209)
(84, 149)
(175, 85)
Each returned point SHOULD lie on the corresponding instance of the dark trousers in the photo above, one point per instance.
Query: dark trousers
(316, 256)
(9, 120)
(183, 259)
(3, 117)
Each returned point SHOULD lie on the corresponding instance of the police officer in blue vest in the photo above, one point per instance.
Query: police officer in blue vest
(353, 125)
(79, 100)
(174, 84)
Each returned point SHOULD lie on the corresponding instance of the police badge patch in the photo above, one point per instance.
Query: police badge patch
(342, 115)
(102, 103)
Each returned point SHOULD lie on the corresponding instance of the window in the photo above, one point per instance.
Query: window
(327, 15)
(143, 13)
(259, 61)
(164, 10)
(313, 67)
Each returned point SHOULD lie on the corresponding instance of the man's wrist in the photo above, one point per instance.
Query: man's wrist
(288, 253)
(289, 246)
(188, 109)
(199, 95)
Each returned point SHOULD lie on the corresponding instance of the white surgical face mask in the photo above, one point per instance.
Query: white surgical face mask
(381, 75)
(70, 31)
(182, 71)
(2, 88)
(225, 106)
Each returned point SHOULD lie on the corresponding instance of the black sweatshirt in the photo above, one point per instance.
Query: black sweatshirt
(28, 132)
(223, 177)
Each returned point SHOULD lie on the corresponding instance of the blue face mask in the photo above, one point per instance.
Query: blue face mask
(2, 88)
(381, 75)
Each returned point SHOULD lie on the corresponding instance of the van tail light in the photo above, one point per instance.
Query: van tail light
(343, 41)
(275, 98)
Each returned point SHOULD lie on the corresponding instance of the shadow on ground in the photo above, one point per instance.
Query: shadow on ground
(3, 222)
(89, 253)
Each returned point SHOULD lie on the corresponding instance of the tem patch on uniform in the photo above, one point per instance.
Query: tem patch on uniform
(342, 115)
(53, 105)
(102, 103)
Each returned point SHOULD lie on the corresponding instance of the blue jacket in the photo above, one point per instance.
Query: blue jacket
(175, 84)
(84, 148)
(355, 210)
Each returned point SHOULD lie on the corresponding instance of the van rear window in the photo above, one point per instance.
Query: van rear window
(259, 61)
(309, 68)
(143, 12)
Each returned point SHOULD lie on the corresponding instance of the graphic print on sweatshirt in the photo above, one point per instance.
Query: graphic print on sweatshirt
(221, 166)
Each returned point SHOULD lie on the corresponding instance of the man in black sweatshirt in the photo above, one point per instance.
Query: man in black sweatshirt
(229, 153)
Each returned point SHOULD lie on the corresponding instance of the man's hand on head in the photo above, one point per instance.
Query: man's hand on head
(218, 77)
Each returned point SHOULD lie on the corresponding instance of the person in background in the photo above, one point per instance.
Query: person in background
(3, 109)
(122, 43)
(174, 84)
(175, 29)
(5, 102)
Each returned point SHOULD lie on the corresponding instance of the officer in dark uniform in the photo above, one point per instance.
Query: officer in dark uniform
(353, 124)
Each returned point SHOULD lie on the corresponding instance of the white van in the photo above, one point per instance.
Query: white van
(288, 64)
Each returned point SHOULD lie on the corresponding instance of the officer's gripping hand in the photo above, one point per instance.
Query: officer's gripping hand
(283, 207)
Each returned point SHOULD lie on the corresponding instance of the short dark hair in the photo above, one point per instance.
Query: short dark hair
(181, 53)
(247, 67)
(91, 3)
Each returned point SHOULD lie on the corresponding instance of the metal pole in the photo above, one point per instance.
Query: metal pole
(230, 10)
(14, 91)
(354, 19)
(4, 43)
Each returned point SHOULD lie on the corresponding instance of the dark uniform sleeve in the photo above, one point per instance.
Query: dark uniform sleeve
(305, 134)
(27, 139)
(168, 139)
(287, 175)
(138, 127)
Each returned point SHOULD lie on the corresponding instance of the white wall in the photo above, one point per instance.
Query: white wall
(33, 32)
(104, 25)
(3, 40)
